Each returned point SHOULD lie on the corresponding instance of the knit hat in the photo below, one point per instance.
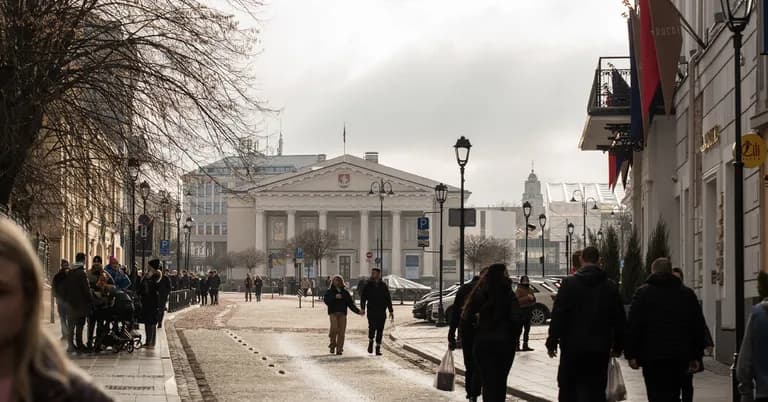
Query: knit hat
(154, 263)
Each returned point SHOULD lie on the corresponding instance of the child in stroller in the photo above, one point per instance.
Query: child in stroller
(121, 315)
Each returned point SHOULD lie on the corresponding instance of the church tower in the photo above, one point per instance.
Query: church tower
(533, 194)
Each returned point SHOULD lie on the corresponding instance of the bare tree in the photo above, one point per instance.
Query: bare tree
(87, 84)
(480, 251)
(250, 258)
(317, 244)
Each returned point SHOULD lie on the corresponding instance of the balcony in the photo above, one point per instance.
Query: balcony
(608, 109)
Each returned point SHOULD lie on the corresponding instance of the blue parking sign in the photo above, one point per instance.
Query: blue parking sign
(423, 223)
(165, 247)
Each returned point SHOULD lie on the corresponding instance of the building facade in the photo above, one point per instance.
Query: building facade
(333, 195)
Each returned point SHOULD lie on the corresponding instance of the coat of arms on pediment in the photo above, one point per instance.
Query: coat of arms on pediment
(344, 179)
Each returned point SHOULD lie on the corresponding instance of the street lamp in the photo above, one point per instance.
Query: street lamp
(737, 18)
(527, 214)
(382, 188)
(571, 229)
(542, 223)
(441, 194)
(178, 236)
(164, 206)
(462, 148)
(145, 190)
(584, 202)
(188, 229)
(134, 169)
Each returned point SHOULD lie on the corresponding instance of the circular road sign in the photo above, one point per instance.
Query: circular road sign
(369, 255)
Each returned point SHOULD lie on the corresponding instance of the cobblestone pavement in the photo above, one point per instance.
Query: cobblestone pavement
(534, 374)
(274, 351)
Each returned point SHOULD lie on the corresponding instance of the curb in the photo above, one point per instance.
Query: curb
(511, 391)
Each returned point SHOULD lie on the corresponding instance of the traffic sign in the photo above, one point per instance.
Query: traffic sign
(165, 247)
(369, 255)
(422, 223)
(299, 253)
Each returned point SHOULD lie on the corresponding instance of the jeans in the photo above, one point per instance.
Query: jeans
(664, 379)
(204, 298)
(494, 360)
(63, 319)
(75, 332)
(526, 327)
(258, 295)
(582, 376)
(248, 295)
(472, 380)
(214, 296)
(337, 331)
(376, 323)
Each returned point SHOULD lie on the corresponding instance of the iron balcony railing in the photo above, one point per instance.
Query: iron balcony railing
(611, 90)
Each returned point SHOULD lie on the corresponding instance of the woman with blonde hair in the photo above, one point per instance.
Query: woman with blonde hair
(32, 364)
(338, 300)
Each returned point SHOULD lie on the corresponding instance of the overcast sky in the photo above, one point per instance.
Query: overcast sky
(410, 76)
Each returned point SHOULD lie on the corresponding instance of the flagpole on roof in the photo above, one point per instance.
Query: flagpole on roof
(344, 137)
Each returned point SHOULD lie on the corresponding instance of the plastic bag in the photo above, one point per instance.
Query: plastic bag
(615, 390)
(446, 373)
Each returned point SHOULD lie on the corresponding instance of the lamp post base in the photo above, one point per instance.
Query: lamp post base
(441, 322)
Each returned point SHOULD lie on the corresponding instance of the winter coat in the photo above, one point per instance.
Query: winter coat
(525, 296)
(665, 322)
(258, 284)
(205, 284)
(120, 279)
(339, 305)
(588, 315)
(76, 292)
(214, 282)
(500, 319)
(45, 389)
(248, 282)
(752, 366)
(57, 284)
(149, 292)
(164, 288)
(375, 298)
(466, 329)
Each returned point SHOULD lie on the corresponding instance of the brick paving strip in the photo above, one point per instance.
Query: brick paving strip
(534, 374)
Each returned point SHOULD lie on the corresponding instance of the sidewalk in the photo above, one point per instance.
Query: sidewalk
(534, 374)
(146, 375)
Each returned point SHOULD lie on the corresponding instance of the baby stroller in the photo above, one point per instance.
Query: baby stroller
(120, 334)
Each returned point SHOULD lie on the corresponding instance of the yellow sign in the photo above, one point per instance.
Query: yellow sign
(753, 150)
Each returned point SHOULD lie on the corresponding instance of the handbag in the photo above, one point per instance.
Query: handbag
(615, 390)
(446, 373)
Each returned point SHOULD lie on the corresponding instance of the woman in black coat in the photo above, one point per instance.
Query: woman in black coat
(149, 292)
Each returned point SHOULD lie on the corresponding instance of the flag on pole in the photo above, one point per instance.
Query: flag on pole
(344, 138)
(650, 81)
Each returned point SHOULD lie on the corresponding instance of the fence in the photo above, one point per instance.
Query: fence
(180, 299)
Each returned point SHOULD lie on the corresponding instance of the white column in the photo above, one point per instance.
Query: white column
(430, 258)
(261, 231)
(322, 224)
(290, 227)
(364, 247)
(397, 264)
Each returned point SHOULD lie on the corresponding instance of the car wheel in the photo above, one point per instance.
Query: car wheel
(538, 315)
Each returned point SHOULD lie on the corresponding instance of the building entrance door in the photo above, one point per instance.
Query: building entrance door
(345, 267)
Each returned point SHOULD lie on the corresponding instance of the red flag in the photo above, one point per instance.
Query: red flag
(612, 171)
(650, 80)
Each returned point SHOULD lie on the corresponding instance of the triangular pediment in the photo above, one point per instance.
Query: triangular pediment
(346, 174)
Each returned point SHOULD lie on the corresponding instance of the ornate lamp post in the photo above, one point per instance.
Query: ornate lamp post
(462, 148)
(178, 236)
(133, 174)
(542, 223)
(441, 194)
(527, 214)
(737, 18)
(382, 188)
(571, 229)
(584, 202)
(188, 229)
(145, 191)
(164, 206)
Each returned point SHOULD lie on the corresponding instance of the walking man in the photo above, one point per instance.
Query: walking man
(752, 366)
(57, 284)
(248, 285)
(77, 295)
(666, 333)
(258, 283)
(164, 289)
(588, 325)
(466, 339)
(376, 296)
(214, 282)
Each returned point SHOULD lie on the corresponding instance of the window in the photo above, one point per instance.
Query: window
(377, 231)
(277, 229)
(345, 229)
(411, 260)
(224, 228)
(216, 229)
(308, 223)
(224, 207)
(449, 266)
(209, 229)
(410, 229)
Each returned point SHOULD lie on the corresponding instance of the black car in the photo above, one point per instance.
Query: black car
(420, 306)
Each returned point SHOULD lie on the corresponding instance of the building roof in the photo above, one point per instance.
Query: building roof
(563, 192)
(257, 160)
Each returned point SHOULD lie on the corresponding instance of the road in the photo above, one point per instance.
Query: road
(274, 351)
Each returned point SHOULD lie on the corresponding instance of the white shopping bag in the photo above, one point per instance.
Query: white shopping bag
(615, 390)
(446, 373)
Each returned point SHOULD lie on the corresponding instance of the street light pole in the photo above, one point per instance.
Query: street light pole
(145, 190)
(736, 24)
(584, 201)
(164, 203)
(571, 229)
(441, 194)
(133, 175)
(178, 236)
(462, 148)
(527, 214)
(382, 188)
(542, 223)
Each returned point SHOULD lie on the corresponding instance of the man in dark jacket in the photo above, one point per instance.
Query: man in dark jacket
(165, 287)
(376, 296)
(214, 282)
(588, 324)
(666, 333)
(466, 337)
(77, 295)
(57, 284)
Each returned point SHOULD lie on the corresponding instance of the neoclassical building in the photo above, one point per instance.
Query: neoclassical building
(333, 195)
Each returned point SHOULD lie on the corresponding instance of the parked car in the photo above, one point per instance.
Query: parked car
(420, 306)
(432, 307)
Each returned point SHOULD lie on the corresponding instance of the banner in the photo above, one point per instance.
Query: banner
(649, 67)
(668, 42)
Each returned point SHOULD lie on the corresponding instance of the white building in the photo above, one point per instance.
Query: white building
(334, 195)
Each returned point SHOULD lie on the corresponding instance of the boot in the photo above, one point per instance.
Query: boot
(370, 346)
(333, 349)
(526, 348)
(378, 350)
